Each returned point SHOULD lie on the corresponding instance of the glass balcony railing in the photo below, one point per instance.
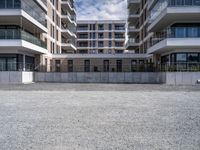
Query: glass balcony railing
(30, 7)
(11, 34)
(160, 5)
(176, 32)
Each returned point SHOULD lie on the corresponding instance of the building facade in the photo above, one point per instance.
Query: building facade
(166, 30)
(101, 37)
(32, 31)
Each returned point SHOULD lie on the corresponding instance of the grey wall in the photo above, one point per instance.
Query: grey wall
(169, 78)
(182, 78)
(100, 77)
(16, 77)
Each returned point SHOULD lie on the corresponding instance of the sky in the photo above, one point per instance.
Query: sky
(101, 9)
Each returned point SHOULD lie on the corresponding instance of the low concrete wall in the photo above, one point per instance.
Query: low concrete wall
(182, 78)
(169, 78)
(16, 77)
(101, 77)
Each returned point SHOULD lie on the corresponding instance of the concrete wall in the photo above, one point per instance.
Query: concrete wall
(182, 78)
(169, 78)
(16, 77)
(100, 77)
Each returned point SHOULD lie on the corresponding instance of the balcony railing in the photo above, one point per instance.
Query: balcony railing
(70, 3)
(11, 34)
(175, 32)
(161, 5)
(29, 6)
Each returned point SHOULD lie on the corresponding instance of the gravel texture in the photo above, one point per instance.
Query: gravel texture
(150, 117)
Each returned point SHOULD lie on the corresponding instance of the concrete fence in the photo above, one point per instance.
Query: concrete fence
(101, 77)
(169, 78)
(15, 77)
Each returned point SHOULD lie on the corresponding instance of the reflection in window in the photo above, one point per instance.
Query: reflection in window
(181, 57)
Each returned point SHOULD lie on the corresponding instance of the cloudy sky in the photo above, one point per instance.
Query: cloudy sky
(101, 9)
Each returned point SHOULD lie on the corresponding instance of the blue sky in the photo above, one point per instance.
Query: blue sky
(101, 9)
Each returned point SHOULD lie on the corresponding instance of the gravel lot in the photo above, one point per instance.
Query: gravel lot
(101, 117)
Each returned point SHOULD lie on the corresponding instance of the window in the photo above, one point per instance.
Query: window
(9, 3)
(110, 43)
(2, 3)
(193, 57)
(181, 57)
(119, 65)
(110, 26)
(57, 64)
(87, 66)
(70, 65)
(100, 44)
(100, 36)
(110, 35)
(101, 27)
(106, 66)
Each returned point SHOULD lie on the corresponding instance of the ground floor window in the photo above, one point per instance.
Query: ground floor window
(119, 65)
(106, 66)
(181, 58)
(87, 65)
(15, 62)
(70, 65)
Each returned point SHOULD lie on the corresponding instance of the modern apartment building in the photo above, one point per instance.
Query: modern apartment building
(32, 31)
(98, 37)
(169, 30)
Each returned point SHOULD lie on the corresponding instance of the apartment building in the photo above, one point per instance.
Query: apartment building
(32, 31)
(169, 30)
(101, 37)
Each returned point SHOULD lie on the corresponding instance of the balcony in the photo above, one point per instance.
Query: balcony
(68, 17)
(132, 44)
(133, 5)
(164, 13)
(68, 5)
(175, 39)
(68, 44)
(133, 31)
(29, 9)
(19, 38)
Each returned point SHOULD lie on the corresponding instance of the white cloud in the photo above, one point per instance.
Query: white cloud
(101, 9)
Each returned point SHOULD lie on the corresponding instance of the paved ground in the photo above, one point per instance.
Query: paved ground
(103, 117)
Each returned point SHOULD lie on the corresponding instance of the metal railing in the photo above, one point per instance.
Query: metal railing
(147, 67)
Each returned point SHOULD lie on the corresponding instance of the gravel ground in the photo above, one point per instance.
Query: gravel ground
(95, 87)
(65, 117)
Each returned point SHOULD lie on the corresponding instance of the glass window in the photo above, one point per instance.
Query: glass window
(193, 57)
(2, 3)
(196, 2)
(106, 65)
(17, 3)
(9, 3)
(119, 65)
(70, 65)
(181, 57)
(180, 32)
(192, 32)
(87, 66)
